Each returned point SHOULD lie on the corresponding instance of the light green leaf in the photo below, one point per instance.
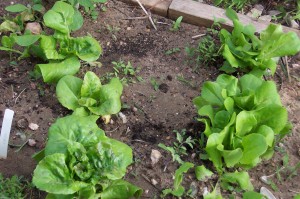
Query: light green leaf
(77, 21)
(110, 95)
(122, 190)
(70, 129)
(245, 122)
(48, 45)
(16, 8)
(91, 86)
(26, 40)
(52, 175)
(9, 26)
(52, 72)
(268, 133)
(252, 194)
(68, 91)
(254, 146)
(241, 178)
(86, 48)
(202, 173)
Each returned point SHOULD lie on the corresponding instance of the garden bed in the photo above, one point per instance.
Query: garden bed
(153, 110)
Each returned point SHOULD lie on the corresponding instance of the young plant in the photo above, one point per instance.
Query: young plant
(172, 51)
(206, 54)
(63, 61)
(176, 24)
(178, 189)
(243, 120)
(81, 162)
(13, 187)
(180, 147)
(128, 72)
(24, 15)
(88, 5)
(244, 51)
(90, 96)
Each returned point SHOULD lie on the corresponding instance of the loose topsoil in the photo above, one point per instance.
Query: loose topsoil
(152, 115)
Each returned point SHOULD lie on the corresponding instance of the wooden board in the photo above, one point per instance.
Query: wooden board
(159, 7)
(203, 15)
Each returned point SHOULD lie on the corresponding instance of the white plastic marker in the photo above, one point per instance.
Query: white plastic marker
(5, 132)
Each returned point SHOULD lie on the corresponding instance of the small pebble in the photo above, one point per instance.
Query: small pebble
(155, 156)
(154, 182)
(31, 142)
(33, 126)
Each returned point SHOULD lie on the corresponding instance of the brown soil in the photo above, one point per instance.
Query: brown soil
(152, 115)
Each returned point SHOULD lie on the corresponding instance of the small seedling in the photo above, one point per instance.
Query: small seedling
(172, 51)
(13, 187)
(176, 24)
(113, 30)
(126, 73)
(180, 147)
(154, 83)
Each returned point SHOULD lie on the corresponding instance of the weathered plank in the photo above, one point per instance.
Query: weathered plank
(159, 7)
(202, 14)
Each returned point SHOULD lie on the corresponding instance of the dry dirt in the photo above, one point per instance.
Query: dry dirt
(152, 115)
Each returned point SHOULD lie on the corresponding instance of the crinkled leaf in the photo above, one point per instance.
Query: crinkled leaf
(9, 26)
(73, 128)
(48, 46)
(110, 102)
(91, 86)
(52, 175)
(86, 48)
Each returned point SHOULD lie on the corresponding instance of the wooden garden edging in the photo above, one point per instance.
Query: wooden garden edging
(199, 13)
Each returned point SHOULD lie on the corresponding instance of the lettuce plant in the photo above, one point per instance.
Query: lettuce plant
(89, 96)
(243, 117)
(243, 50)
(81, 162)
(60, 50)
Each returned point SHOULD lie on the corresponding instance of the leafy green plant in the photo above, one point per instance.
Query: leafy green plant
(24, 14)
(243, 50)
(243, 120)
(207, 52)
(90, 96)
(236, 4)
(180, 147)
(172, 51)
(80, 161)
(88, 5)
(127, 71)
(178, 189)
(63, 61)
(154, 83)
(113, 30)
(13, 187)
(176, 24)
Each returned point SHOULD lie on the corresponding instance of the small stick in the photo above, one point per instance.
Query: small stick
(112, 130)
(197, 36)
(149, 16)
(132, 18)
(19, 95)
(287, 68)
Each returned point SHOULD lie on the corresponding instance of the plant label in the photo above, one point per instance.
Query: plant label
(5, 132)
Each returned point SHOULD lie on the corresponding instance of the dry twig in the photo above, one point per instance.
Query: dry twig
(149, 15)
